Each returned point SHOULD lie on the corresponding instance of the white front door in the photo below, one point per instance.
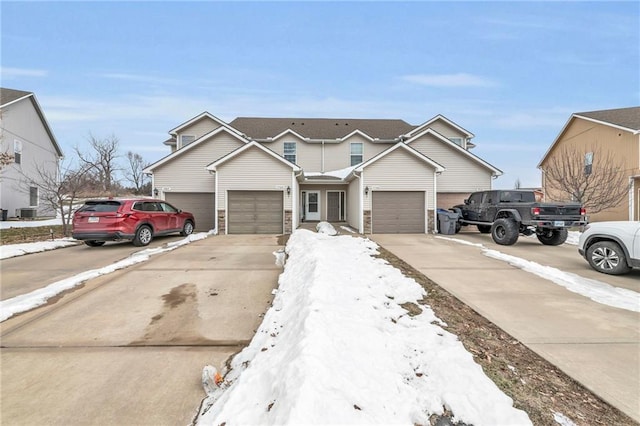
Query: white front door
(312, 206)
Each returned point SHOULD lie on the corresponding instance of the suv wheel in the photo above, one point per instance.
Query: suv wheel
(187, 229)
(553, 237)
(607, 257)
(504, 231)
(143, 237)
(94, 243)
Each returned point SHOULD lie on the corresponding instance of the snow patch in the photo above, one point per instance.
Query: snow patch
(13, 250)
(326, 228)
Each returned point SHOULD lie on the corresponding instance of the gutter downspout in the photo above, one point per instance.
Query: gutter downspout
(322, 159)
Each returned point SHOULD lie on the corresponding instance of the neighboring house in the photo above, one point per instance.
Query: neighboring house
(615, 132)
(25, 135)
(267, 175)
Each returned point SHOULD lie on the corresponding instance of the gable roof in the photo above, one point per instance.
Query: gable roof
(401, 145)
(206, 114)
(320, 128)
(440, 117)
(624, 118)
(11, 96)
(189, 147)
(252, 144)
(458, 148)
(627, 119)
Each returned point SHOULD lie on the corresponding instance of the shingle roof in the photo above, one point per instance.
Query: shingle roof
(320, 128)
(10, 95)
(623, 117)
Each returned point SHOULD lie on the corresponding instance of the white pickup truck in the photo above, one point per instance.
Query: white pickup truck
(611, 247)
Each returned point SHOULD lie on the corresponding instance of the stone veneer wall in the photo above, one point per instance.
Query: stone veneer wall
(288, 222)
(221, 222)
(367, 221)
(431, 221)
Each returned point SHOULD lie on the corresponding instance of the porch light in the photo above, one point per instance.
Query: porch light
(288, 190)
(366, 190)
(155, 192)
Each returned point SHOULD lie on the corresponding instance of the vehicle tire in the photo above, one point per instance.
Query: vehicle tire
(187, 229)
(504, 231)
(484, 229)
(553, 237)
(143, 237)
(607, 257)
(94, 243)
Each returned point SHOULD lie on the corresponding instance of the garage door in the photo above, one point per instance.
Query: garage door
(201, 204)
(255, 212)
(398, 212)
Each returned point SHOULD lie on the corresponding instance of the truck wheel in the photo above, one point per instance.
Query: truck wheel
(504, 231)
(484, 229)
(553, 237)
(607, 257)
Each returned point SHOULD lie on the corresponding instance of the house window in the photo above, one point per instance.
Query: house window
(186, 140)
(17, 151)
(33, 196)
(588, 163)
(356, 153)
(290, 151)
(457, 141)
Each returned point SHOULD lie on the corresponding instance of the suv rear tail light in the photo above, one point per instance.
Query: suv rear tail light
(535, 211)
(121, 215)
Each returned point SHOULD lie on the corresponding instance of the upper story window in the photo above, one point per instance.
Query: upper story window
(457, 141)
(186, 140)
(290, 151)
(356, 153)
(17, 151)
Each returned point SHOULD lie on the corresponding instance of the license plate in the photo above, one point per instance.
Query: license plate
(558, 223)
(94, 219)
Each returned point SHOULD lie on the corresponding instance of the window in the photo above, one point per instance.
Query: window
(588, 163)
(33, 196)
(457, 141)
(186, 140)
(356, 153)
(17, 151)
(290, 151)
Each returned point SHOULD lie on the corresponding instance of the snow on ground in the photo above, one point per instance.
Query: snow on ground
(593, 289)
(573, 238)
(25, 302)
(6, 224)
(13, 250)
(337, 347)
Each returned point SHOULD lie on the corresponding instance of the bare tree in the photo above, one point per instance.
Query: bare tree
(589, 176)
(133, 171)
(58, 188)
(5, 159)
(517, 185)
(102, 160)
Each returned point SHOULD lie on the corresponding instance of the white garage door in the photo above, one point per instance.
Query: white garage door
(396, 212)
(255, 212)
(201, 204)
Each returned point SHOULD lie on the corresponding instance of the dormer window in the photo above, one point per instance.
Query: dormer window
(457, 141)
(186, 140)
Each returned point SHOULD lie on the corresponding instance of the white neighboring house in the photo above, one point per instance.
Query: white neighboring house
(26, 135)
(267, 175)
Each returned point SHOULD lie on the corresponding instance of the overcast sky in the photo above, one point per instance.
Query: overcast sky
(512, 73)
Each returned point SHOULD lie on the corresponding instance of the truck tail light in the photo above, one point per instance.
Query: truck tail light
(535, 211)
(583, 211)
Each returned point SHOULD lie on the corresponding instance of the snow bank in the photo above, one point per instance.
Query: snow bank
(326, 228)
(13, 250)
(337, 347)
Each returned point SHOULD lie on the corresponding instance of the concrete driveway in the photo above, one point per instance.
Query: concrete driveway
(597, 345)
(129, 347)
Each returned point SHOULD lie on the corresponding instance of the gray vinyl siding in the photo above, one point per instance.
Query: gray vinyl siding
(446, 130)
(254, 170)
(462, 174)
(199, 128)
(353, 204)
(399, 171)
(187, 173)
(20, 121)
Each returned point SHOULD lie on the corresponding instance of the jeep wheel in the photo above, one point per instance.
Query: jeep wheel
(553, 237)
(143, 237)
(607, 257)
(484, 229)
(504, 231)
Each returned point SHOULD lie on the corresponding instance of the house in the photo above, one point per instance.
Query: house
(28, 139)
(267, 175)
(607, 139)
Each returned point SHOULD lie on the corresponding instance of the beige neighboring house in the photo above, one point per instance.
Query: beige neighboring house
(614, 131)
(25, 135)
(268, 175)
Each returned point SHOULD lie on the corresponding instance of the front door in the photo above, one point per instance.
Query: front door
(312, 206)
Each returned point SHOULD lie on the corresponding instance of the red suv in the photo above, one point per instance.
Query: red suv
(138, 219)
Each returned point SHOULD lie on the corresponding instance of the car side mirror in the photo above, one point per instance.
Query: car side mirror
(466, 201)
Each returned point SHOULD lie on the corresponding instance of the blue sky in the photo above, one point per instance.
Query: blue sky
(512, 73)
